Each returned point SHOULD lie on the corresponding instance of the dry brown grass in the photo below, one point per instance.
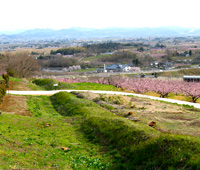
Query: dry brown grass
(43, 50)
(14, 85)
(169, 118)
(15, 105)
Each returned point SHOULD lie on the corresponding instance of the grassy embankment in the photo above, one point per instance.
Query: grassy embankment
(36, 141)
(137, 146)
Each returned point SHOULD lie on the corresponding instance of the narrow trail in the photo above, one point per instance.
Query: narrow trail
(196, 105)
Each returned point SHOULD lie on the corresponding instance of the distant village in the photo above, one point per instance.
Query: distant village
(118, 68)
(131, 68)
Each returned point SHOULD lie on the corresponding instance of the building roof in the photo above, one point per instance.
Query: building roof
(116, 66)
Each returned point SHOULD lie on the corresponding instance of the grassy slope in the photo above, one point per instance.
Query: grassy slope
(27, 143)
(137, 146)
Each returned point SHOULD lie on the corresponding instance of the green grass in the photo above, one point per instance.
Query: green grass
(16, 79)
(95, 58)
(93, 86)
(133, 145)
(48, 84)
(25, 142)
(13, 79)
(109, 107)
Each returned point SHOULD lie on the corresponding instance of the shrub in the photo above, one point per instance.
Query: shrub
(2, 91)
(3, 85)
(109, 107)
(48, 84)
(11, 72)
(6, 78)
(116, 99)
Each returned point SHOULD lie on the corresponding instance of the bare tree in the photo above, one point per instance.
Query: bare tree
(20, 64)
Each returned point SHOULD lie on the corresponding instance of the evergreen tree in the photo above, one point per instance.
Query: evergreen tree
(190, 52)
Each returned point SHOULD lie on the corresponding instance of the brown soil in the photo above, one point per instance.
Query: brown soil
(195, 123)
(15, 105)
(177, 117)
(170, 118)
(13, 85)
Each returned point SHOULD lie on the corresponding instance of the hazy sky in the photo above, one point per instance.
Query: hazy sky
(60, 14)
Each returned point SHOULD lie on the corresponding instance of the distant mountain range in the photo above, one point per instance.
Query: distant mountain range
(82, 33)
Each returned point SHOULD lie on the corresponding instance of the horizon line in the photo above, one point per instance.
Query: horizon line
(74, 27)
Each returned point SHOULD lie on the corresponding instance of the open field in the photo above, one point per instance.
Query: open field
(170, 118)
(43, 50)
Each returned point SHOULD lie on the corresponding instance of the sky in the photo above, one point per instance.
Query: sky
(62, 14)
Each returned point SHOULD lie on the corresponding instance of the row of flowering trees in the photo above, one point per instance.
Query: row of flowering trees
(143, 85)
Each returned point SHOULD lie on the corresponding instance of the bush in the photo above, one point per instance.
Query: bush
(3, 85)
(47, 84)
(11, 72)
(116, 99)
(6, 78)
(2, 91)
(109, 107)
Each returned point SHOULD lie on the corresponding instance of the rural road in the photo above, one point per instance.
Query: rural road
(196, 105)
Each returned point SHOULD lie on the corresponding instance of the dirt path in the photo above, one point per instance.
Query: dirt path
(196, 105)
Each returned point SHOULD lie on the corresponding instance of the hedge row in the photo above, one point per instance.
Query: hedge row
(49, 84)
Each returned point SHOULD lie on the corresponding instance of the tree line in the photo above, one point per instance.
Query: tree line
(68, 50)
(90, 48)
(120, 57)
(102, 47)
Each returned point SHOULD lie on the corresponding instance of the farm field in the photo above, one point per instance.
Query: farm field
(170, 118)
(35, 129)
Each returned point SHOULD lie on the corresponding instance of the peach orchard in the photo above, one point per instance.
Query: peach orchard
(144, 85)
